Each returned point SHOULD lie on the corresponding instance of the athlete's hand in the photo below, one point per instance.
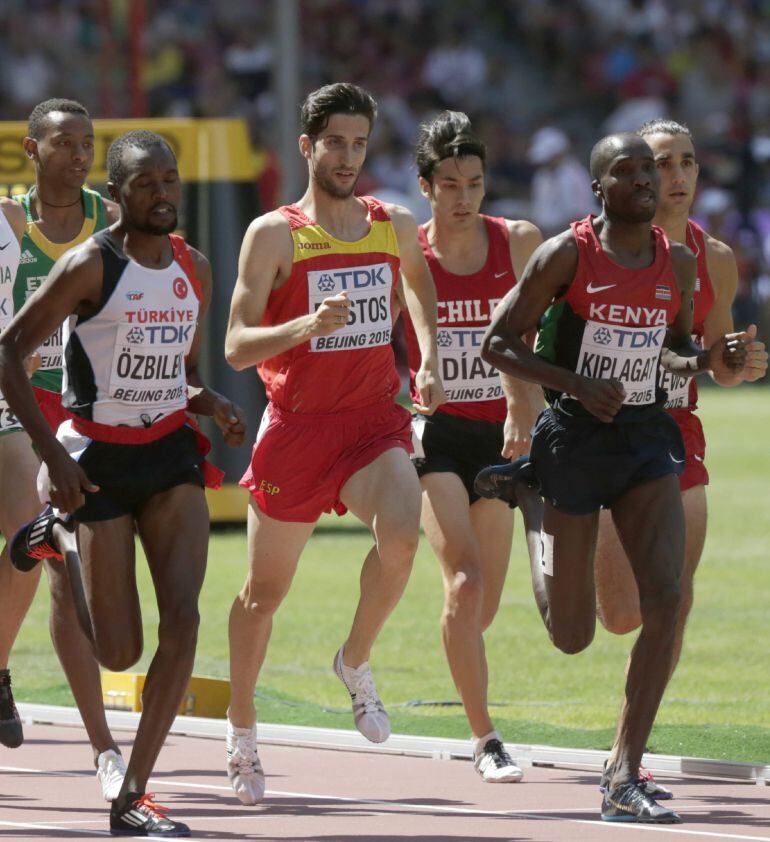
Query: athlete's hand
(66, 482)
(32, 363)
(431, 391)
(601, 397)
(231, 420)
(516, 438)
(755, 365)
(331, 315)
(727, 355)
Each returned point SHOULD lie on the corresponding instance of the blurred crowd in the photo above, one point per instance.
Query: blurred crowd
(541, 80)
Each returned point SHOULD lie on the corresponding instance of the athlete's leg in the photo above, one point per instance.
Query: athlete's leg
(274, 550)
(19, 504)
(493, 524)
(385, 495)
(174, 529)
(650, 522)
(448, 524)
(617, 597)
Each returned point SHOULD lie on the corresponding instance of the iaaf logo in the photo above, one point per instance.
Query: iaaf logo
(359, 277)
(134, 295)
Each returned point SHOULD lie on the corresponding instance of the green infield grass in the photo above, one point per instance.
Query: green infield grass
(717, 705)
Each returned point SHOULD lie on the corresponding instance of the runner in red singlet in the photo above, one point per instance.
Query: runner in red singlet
(474, 259)
(612, 297)
(313, 310)
(717, 276)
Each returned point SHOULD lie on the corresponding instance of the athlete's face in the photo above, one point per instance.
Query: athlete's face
(628, 188)
(677, 169)
(456, 190)
(336, 156)
(64, 153)
(151, 193)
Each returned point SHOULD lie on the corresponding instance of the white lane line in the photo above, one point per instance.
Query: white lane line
(397, 805)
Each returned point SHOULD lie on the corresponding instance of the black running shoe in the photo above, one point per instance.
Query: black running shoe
(141, 816)
(646, 782)
(629, 803)
(34, 541)
(499, 481)
(11, 732)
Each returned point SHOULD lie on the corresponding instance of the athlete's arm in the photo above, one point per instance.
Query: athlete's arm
(420, 298)
(264, 263)
(680, 355)
(547, 277)
(524, 400)
(202, 400)
(719, 321)
(73, 286)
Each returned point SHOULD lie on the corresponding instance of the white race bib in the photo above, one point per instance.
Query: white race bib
(465, 375)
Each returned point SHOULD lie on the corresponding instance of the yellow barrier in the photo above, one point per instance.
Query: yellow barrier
(203, 697)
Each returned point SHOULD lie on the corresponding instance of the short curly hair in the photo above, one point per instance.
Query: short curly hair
(141, 139)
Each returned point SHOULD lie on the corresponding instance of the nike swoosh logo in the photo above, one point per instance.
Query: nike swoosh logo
(5, 246)
(500, 274)
(592, 288)
(673, 459)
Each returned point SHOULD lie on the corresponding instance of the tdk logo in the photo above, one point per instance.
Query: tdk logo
(135, 336)
(351, 279)
(443, 340)
(602, 336)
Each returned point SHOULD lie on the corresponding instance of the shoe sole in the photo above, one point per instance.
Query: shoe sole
(637, 820)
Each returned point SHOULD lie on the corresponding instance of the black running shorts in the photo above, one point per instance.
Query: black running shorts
(583, 464)
(128, 475)
(447, 444)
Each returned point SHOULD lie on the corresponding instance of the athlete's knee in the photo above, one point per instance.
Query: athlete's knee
(573, 638)
(687, 597)
(397, 543)
(118, 655)
(619, 620)
(661, 607)
(464, 593)
(260, 601)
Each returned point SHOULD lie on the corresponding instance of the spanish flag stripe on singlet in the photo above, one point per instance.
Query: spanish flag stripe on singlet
(353, 367)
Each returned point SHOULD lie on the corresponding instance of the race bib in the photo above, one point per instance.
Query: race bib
(465, 375)
(369, 320)
(629, 354)
(677, 388)
(51, 351)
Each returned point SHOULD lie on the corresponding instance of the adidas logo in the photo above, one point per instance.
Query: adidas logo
(27, 257)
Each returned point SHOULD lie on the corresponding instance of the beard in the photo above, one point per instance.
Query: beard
(323, 178)
(146, 227)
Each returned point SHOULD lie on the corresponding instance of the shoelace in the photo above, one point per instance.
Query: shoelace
(366, 693)
(245, 757)
(500, 757)
(147, 806)
(646, 775)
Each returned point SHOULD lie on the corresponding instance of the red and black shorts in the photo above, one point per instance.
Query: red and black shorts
(690, 426)
(301, 461)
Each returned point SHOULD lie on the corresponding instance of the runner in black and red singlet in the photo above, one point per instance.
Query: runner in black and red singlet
(717, 276)
(313, 310)
(612, 297)
(474, 259)
(133, 297)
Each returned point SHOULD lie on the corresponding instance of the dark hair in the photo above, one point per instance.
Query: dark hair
(447, 136)
(43, 109)
(660, 125)
(139, 139)
(339, 98)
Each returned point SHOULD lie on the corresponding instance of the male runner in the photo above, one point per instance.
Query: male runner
(474, 259)
(312, 308)
(617, 594)
(128, 457)
(59, 214)
(612, 291)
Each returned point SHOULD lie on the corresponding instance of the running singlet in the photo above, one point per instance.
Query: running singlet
(683, 391)
(465, 304)
(611, 322)
(9, 262)
(353, 367)
(38, 255)
(125, 364)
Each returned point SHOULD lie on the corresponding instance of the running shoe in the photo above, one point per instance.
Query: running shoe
(500, 481)
(34, 541)
(369, 713)
(629, 803)
(495, 765)
(646, 781)
(243, 766)
(141, 816)
(11, 731)
(110, 771)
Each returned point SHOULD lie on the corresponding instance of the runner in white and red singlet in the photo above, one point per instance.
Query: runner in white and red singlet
(133, 297)
(612, 297)
(717, 276)
(313, 310)
(474, 259)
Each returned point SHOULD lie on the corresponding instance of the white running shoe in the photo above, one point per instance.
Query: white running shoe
(110, 771)
(243, 766)
(369, 713)
(495, 765)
